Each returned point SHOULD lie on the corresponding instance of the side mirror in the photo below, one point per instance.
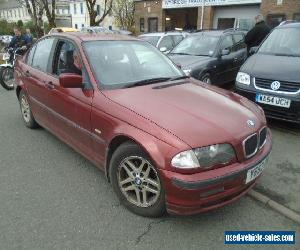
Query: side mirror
(70, 80)
(225, 52)
(253, 50)
(163, 49)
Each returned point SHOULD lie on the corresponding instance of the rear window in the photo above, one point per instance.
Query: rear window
(151, 39)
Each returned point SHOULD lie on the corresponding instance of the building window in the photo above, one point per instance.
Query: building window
(297, 17)
(142, 24)
(15, 13)
(82, 25)
(274, 20)
(75, 10)
(81, 8)
(152, 24)
(76, 26)
(98, 9)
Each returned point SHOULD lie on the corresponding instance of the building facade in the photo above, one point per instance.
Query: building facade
(80, 15)
(165, 15)
(69, 13)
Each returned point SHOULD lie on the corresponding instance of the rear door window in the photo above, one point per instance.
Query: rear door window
(30, 56)
(42, 53)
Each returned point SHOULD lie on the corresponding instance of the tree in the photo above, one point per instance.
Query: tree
(35, 10)
(123, 11)
(91, 6)
(50, 12)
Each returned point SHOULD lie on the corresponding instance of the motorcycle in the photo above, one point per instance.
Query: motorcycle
(7, 69)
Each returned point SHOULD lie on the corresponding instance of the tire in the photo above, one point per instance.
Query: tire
(140, 182)
(5, 81)
(206, 78)
(26, 111)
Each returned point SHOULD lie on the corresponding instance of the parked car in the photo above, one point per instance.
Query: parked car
(214, 57)
(96, 29)
(164, 140)
(271, 77)
(164, 41)
(62, 29)
(123, 32)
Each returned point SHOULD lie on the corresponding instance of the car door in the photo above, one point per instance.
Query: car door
(70, 108)
(34, 74)
(225, 63)
(240, 51)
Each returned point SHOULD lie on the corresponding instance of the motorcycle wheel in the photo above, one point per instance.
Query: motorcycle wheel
(7, 77)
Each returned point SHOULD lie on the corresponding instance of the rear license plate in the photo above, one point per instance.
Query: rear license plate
(254, 172)
(273, 100)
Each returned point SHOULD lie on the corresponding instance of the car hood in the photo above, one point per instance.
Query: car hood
(282, 68)
(197, 114)
(186, 61)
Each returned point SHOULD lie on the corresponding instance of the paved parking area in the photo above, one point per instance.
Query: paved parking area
(52, 198)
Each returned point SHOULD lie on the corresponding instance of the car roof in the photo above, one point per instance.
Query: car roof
(84, 36)
(218, 32)
(289, 25)
(164, 33)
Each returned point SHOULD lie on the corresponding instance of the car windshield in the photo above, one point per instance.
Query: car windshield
(282, 42)
(197, 45)
(121, 64)
(151, 39)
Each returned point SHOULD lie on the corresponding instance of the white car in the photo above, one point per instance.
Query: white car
(164, 41)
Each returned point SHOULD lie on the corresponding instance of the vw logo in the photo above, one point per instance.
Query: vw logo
(275, 85)
(251, 123)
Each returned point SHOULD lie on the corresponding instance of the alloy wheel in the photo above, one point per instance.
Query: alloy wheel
(25, 108)
(138, 181)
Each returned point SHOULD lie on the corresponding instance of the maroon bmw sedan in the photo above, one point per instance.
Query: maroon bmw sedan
(165, 141)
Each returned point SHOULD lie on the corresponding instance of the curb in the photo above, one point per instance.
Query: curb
(276, 206)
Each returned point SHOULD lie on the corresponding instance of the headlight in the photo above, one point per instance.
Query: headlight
(243, 78)
(204, 157)
(187, 72)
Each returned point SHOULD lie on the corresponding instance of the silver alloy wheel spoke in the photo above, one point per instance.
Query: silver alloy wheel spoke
(129, 179)
(152, 182)
(138, 181)
(151, 190)
(25, 109)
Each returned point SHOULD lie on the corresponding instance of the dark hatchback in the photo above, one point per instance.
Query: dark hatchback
(271, 77)
(214, 57)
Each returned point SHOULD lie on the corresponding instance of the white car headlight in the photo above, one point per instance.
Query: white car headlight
(243, 78)
(187, 72)
(186, 159)
(205, 157)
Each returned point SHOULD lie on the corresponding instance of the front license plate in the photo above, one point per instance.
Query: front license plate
(254, 172)
(273, 100)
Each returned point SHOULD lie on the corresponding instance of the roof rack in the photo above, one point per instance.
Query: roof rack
(233, 29)
(288, 22)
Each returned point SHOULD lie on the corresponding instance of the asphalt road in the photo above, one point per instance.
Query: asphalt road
(52, 198)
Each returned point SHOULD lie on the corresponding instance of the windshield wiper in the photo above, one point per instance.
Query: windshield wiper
(180, 53)
(282, 54)
(147, 81)
(179, 78)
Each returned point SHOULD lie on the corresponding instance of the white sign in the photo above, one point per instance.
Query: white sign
(168, 4)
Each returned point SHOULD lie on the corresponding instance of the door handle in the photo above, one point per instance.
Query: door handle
(50, 85)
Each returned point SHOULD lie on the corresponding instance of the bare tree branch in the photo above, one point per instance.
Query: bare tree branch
(91, 6)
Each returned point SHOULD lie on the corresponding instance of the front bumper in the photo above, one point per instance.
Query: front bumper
(200, 192)
(291, 115)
